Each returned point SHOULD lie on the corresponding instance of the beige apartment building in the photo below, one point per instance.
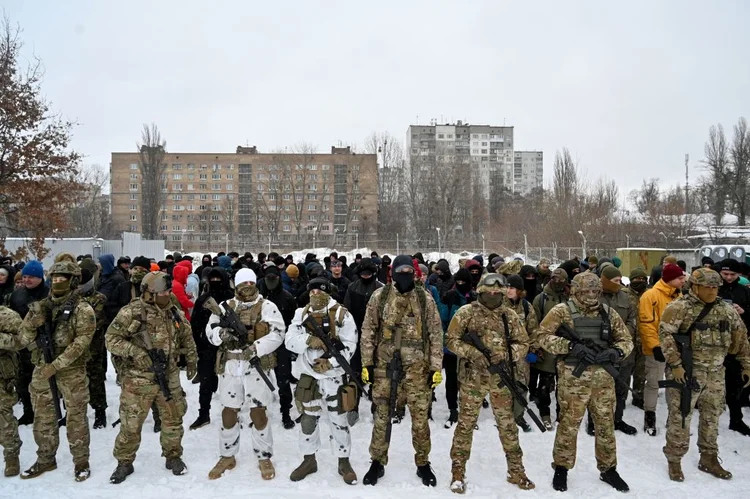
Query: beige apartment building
(247, 200)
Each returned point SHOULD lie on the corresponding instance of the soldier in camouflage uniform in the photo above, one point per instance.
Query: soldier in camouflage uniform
(10, 324)
(72, 323)
(495, 323)
(239, 382)
(720, 332)
(399, 313)
(321, 379)
(594, 390)
(151, 322)
(97, 365)
(637, 286)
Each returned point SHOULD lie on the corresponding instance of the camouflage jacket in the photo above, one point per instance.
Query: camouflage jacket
(97, 301)
(530, 320)
(488, 324)
(623, 303)
(71, 338)
(560, 314)
(402, 312)
(168, 330)
(723, 332)
(10, 324)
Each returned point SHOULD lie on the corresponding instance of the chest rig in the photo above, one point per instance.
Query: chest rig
(57, 323)
(251, 317)
(596, 330)
(328, 321)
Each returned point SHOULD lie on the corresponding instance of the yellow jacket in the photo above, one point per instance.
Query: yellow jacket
(652, 305)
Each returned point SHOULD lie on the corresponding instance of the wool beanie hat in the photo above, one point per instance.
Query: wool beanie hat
(638, 272)
(671, 272)
(33, 268)
(610, 272)
(292, 271)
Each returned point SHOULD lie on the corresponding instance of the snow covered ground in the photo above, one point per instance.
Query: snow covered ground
(641, 463)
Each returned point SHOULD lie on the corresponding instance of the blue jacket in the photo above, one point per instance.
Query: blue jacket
(107, 261)
(449, 305)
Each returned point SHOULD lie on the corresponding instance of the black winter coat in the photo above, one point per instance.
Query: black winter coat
(356, 299)
(109, 287)
(21, 298)
(740, 295)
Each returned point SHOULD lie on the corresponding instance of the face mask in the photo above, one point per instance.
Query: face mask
(404, 281)
(162, 301)
(558, 286)
(319, 301)
(706, 294)
(137, 276)
(638, 286)
(490, 300)
(246, 292)
(367, 279)
(60, 288)
(272, 283)
(588, 299)
(610, 286)
(464, 287)
(475, 277)
(215, 287)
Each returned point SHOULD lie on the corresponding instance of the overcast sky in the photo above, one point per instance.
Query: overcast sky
(628, 87)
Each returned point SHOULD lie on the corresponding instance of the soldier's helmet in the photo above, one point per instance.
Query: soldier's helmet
(156, 282)
(705, 277)
(586, 281)
(492, 282)
(511, 267)
(67, 268)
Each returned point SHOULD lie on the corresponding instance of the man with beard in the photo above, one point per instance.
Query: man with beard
(543, 363)
(402, 318)
(637, 286)
(738, 296)
(32, 290)
(594, 390)
(287, 305)
(357, 296)
(219, 289)
(530, 282)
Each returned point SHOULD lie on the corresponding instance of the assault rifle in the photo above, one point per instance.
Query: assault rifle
(333, 349)
(45, 342)
(394, 371)
(506, 377)
(685, 346)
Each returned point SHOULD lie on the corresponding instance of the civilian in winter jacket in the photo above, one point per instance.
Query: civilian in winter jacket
(475, 269)
(180, 274)
(205, 262)
(123, 265)
(339, 280)
(109, 283)
(384, 272)
(7, 283)
(442, 278)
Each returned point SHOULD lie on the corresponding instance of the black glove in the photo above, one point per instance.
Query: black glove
(607, 356)
(658, 355)
(579, 350)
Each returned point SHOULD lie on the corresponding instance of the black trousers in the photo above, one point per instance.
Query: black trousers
(544, 389)
(735, 392)
(25, 369)
(209, 381)
(450, 364)
(283, 371)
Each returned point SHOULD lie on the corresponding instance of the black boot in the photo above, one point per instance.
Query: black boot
(286, 420)
(649, 423)
(452, 419)
(740, 427)
(100, 418)
(560, 480)
(485, 403)
(157, 419)
(638, 402)
(590, 426)
(625, 428)
(425, 473)
(28, 416)
(375, 472)
(523, 424)
(202, 420)
(613, 478)
(121, 472)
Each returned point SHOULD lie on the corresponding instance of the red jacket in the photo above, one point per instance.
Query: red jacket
(180, 274)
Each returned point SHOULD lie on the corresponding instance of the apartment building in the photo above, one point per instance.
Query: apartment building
(528, 171)
(247, 198)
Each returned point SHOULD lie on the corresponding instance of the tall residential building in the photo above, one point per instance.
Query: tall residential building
(528, 171)
(247, 198)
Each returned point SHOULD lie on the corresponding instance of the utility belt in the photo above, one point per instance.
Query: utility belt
(267, 362)
(307, 390)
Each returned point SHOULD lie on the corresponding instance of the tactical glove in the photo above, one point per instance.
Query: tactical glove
(367, 375)
(659, 355)
(579, 351)
(322, 365)
(607, 356)
(252, 351)
(436, 377)
(679, 374)
(227, 335)
(497, 357)
(315, 343)
(191, 370)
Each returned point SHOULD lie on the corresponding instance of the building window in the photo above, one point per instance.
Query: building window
(133, 166)
(203, 197)
(176, 197)
(191, 207)
(190, 187)
(287, 228)
(203, 207)
(191, 227)
(312, 218)
(325, 227)
(134, 197)
(325, 167)
(176, 237)
(133, 176)
(203, 176)
(204, 187)
(177, 176)
(163, 228)
(312, 207)
(286, 218)
(177, 166)
(287, 197)
(214, 218)
(215, 187)
(230, 187)
(133, 218)
(230, 176)
(216, 176)
(133, 187)
(133, 207)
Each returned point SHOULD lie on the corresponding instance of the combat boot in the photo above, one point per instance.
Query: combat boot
(638, 402)
(560, 480)
(649, 423)
(27, 417)
(452, 419)
(37, 469)
(12, 466)
(177, 465)
(625, 428)
(157, 419)
(82, 471)
(590, 426)
(308, 466)
(375, 472)
(224, 464)
(740, 427)
(709, 463)
(519, 478)
(286, 420)
(612, 477)
(202, 420)
(675, 471)
(427, 475)
(346, 471)
(523, 424)
(100, 419)
(267, 471)
(122, 471)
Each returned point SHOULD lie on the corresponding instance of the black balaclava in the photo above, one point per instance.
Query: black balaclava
(403, 281)
(465, 276)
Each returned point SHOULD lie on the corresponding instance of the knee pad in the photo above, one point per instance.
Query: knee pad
(308, 424)
(229, 417)
(258, 417)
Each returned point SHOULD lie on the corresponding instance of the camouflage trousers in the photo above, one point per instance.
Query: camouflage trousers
(639, 371)
(9, 438)
(96, 368)
(709, 401)
(135, 401)
(73, 385)
(595, 391)
(418, 394)
(472, 393)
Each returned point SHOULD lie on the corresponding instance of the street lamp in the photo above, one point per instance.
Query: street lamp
(627, 239)
(584, 243)
(438, 236)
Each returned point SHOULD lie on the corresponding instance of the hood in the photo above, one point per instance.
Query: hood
(569, 266)
(9, 283)
(107, 262)
(472, 263)
(186, 264)
(214, 271)
(180, 274)
(206, 260)
(225, 262)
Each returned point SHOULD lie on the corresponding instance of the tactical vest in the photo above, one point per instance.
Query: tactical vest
(251, 318)
(330, 321)
(596, 329)
(415, 335)
(712, 332)
(62, 320)
(140, 325)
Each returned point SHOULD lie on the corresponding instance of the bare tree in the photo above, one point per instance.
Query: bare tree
(717, 164)
(229, 218)
(151, 150)
(89, 215)
(739, 171)
(391, 182)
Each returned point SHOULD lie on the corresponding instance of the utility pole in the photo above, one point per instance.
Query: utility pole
(687, 185)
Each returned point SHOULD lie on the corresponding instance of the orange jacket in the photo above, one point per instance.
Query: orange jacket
(652, 305)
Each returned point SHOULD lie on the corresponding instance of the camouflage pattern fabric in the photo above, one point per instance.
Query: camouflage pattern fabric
(725, 333)
(96, 367)
(476, 382)
(139, 387)
(402, 311)
(530, 324)
(511, 267)
(594, 390)
(72, 339)
(10, 322)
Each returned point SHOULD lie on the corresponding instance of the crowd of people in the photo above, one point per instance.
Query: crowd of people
(498, 332)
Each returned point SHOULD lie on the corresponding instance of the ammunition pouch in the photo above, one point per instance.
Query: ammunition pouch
(8, 365)
(306, 391)
(347, 398)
